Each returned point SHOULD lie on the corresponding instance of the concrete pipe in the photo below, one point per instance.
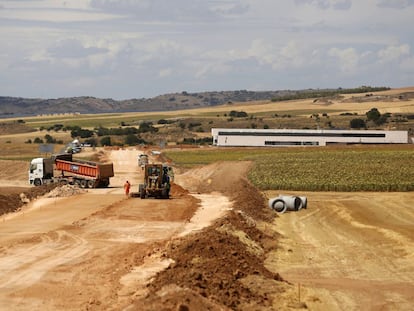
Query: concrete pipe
(278, 205)
(304, 202)
(293, 203)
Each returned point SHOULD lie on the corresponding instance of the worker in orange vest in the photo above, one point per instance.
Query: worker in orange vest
(127, 186)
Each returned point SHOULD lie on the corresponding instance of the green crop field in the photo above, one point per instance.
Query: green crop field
(371, 168)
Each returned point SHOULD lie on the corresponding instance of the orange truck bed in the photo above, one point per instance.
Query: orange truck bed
(86, 168)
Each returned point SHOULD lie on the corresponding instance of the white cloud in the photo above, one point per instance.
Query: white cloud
(395, 4)
(407, 67)
(347, 59)
(166, 72)
(292, 54)
(327, 4)
(114, 45)
(52, 11)
(166, 10)
(391, 53)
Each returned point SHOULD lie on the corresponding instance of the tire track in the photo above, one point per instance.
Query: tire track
(18, 270)
(350, 250)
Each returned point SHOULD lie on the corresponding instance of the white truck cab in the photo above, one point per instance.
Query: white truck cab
(40, 169)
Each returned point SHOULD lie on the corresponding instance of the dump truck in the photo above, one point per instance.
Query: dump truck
(157, 181)
(63, 169)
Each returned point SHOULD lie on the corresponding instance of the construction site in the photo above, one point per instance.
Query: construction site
(213, 245)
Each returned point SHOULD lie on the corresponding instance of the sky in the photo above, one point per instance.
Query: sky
(124, 49)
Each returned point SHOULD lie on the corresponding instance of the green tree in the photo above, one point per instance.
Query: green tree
(357, 123)
(106, 141)
(131, 139)
(145, 127)
(50, 139)
(373, 115)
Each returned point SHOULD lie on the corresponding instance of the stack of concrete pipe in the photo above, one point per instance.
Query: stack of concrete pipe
(284, 203)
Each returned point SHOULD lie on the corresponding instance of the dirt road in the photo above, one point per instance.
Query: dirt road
(353, 251)
(88, 250)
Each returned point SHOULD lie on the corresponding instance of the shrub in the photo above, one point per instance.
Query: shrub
(50, 139)
(146, 127)
(357, 123)
(91, 141)
(106, 141)
(191, 125)
(132, 139)
(238, 114)
(197, 141)
(55, 127)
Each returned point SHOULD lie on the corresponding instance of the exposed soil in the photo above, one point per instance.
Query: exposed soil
(13, 199)
(214, 245)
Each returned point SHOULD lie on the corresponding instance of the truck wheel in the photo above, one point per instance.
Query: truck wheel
(63, 182)
(142, 194)
(83, 183)
(164, 193)
(91, 183)
(37, 182)
(141, 191)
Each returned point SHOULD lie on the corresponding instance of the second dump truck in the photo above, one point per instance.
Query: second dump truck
(143, 160)
(62, 168)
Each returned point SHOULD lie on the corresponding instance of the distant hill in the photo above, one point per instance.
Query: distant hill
(16, 106)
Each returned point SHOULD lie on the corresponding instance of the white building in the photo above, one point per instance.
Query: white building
(292, 137)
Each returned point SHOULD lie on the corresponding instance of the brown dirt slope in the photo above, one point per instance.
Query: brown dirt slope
(220, 262)
(15, 172)
(10, 200)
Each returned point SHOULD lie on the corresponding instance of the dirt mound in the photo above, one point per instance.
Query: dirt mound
(9, 202)
(11, 199)
(230, 179)
(220, 262)
(65, 191)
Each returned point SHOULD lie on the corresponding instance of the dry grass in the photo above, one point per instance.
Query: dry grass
(15, 146)
(261, 114)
